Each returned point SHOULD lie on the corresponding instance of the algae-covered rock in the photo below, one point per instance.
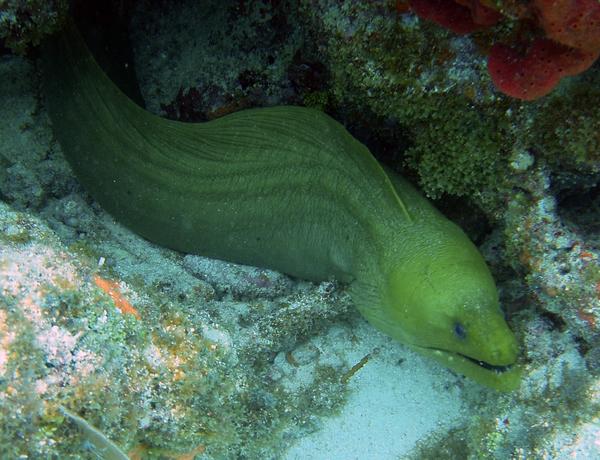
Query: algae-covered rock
(24, 23)
(173, 355)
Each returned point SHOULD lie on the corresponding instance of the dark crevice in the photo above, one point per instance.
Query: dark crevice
(579, 209)
(556, 322)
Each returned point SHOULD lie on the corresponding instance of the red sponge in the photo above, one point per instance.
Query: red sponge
(463, 18)
(533, 74)
(575, 23)
(570, 46)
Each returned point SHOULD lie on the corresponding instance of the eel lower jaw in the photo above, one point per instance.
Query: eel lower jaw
(501, 378)
(484, 365)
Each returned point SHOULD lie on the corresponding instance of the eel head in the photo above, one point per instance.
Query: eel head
(449, 310)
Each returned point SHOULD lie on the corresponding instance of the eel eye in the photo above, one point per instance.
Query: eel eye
(460, 331)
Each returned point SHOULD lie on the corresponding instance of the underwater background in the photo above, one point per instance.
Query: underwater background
(176, 356)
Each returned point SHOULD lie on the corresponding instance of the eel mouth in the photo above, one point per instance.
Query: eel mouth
(477, 362)
(500, 377)
(484, 365)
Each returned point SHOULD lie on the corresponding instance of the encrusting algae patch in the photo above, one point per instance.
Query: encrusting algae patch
(157, 384)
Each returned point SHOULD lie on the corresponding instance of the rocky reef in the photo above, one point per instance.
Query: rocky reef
(177, 356)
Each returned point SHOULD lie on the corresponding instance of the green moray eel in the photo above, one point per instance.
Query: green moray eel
(290, 189)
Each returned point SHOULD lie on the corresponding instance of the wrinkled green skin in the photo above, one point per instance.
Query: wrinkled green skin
(290, 189)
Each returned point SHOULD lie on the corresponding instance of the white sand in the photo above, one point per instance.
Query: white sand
(391, 407)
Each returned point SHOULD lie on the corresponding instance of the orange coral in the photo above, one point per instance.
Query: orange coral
(114, 291)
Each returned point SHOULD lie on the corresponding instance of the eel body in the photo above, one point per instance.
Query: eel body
(290, 189)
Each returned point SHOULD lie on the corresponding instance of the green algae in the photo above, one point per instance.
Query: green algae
(567, 130)
(460, 152)
(26, 22)
(434, 87)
